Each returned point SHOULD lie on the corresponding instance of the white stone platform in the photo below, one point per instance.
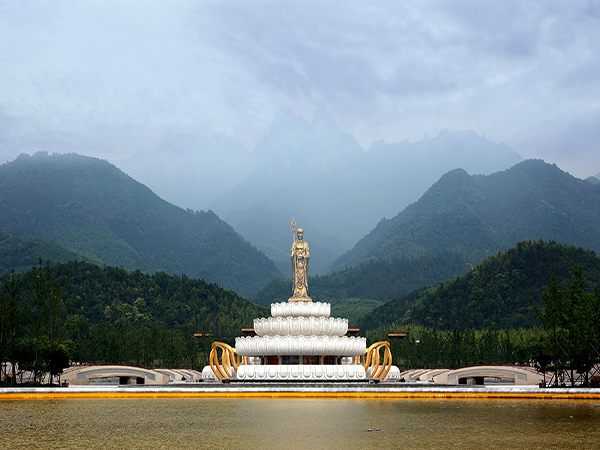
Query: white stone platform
(314, 390)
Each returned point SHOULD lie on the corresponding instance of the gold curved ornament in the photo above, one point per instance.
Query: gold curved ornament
(229, 357)
(372, 359)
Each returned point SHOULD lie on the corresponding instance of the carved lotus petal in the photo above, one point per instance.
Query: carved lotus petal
(319, 347)
(288, 348)
(295, 372)
(294, 346)
(307, 347)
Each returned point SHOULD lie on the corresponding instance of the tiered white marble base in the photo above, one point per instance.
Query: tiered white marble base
(300, 329)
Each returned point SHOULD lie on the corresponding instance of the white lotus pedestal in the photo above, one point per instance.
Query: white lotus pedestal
(300, 342)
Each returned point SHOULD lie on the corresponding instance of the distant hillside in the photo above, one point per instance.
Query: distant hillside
(480, 215)
(355, 291)
(22, 254)
(91, 207)
(495, 293)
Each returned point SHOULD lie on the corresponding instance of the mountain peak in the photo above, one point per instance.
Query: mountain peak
(178, 143)
(286, 119)
(319, 141)
(322, 117)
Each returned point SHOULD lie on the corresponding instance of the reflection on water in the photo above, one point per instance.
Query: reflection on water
(292, 424)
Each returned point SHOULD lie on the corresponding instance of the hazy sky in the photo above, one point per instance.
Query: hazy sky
(106, 78)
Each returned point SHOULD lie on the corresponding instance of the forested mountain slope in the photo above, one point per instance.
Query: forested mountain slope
(93, 208)
(479, 215)
(23, 253)
(496, 292)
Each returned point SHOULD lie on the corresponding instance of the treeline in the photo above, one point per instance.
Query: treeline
(432, 348)
(495, 293)
(81, 312)
(147, 346)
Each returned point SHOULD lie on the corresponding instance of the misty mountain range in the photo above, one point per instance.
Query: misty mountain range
(312, 171)
(98, 213)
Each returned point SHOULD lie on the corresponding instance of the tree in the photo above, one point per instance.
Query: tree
(10, 321)
(570, 321)
(47, 318)
(58, 359)
(580, 319)
(551, 319)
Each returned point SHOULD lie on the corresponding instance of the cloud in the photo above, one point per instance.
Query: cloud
(112, 76)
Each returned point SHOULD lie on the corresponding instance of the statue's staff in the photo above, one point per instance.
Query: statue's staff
(293, 266)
